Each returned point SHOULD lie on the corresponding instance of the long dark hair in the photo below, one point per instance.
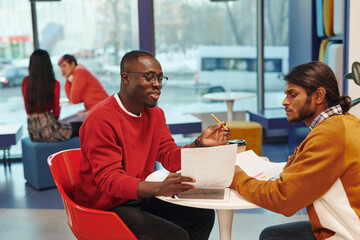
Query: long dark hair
(41, 83)
(313, 75)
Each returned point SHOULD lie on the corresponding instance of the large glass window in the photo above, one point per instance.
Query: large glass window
(98, 33)
(16, 44)
(276, 37)
(206, 46)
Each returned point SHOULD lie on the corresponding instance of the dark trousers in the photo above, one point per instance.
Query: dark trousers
(153, 219)
(289, 231)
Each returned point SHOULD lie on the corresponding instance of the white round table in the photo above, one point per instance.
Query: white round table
(229, 97)
(224, 209)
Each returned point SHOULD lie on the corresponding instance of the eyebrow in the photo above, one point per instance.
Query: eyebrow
(289, 91)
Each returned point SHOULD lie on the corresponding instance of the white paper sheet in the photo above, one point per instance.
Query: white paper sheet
(256, 167)
(209, 166)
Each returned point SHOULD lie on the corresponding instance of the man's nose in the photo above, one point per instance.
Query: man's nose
(285, 102)
(157, 82)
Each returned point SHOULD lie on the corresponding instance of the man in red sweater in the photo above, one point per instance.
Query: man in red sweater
(81, 85)
(121, 138)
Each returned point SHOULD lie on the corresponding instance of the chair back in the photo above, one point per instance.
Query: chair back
(84, 222)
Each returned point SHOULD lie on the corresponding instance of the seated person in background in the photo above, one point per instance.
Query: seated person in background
(41, 92)
(121, 138)
(323, 174)
(81, 85)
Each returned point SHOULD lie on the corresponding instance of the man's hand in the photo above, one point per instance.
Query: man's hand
(171, 186)
(214, 135)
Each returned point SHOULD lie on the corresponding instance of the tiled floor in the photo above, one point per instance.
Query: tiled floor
(29, 214)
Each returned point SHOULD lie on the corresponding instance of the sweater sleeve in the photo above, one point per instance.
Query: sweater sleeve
(316, 166)
(99, 142)
(79, 81)
(23, 88)
(68, 89)
(169, 154)
(56, 110)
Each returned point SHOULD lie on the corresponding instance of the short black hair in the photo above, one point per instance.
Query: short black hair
(131, 57)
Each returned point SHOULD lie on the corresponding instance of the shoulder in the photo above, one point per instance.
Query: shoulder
(25, 80)
(81, 69)
(337, 123)
(335, 128)
(104, 110)
(24, 83)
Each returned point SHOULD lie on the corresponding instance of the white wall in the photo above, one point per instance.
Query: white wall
(354, 49)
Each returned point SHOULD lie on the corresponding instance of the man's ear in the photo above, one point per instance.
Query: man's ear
(125, 78)
(320, 94)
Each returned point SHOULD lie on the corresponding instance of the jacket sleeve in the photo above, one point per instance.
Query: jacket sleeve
(317, 164)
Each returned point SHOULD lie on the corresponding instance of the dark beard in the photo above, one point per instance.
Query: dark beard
(304, 112)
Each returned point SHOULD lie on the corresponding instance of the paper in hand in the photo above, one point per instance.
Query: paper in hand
(209, 166)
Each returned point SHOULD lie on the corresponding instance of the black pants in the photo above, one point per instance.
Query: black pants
(294, 231)
(153, 219)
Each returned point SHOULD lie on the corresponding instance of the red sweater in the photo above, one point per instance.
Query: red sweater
(118, 151)
(55, 110)
(85, 87)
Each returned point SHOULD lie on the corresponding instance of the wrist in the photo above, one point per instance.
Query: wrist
(198, 143)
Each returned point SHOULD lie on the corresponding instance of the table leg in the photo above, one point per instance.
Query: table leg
(4, 158)
(9, 160)
(230, 104)
(225, 218)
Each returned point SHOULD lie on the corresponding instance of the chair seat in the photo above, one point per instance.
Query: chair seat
(85, 223)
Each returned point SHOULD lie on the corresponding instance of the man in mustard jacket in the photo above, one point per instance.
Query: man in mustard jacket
(323, 174)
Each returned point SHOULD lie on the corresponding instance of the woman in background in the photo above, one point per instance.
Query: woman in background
(41, 92)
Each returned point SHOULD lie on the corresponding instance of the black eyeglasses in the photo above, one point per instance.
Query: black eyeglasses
(151, 77)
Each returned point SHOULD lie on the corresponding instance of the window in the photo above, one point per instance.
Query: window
(206, 44)
(98, 33)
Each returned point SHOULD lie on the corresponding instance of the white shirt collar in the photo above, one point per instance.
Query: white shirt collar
(122, 106)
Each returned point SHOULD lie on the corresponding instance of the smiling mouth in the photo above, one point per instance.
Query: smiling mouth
(155, 95)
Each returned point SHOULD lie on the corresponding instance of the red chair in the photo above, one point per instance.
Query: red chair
(84, 222)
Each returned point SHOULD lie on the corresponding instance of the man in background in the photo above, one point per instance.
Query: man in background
(81, 85)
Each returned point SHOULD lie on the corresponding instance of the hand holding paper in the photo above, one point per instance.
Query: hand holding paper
(256, 167)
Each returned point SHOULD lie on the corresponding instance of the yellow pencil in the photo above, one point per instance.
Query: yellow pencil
(219, 121)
